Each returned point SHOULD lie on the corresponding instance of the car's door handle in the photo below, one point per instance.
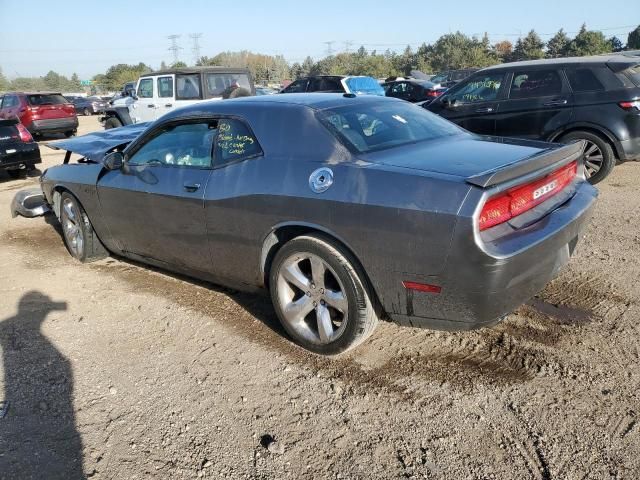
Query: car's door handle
(151, 105)
(168, 105)
(484, 110)
(555, 103)
(191, 187)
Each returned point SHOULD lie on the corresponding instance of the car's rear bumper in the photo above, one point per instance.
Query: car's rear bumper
(13, 156)
(630, 149)
(480, 286)
(54, 125)
(29, 203)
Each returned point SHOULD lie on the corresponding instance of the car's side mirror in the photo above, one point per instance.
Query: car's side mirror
(132, 93)
(113, 161)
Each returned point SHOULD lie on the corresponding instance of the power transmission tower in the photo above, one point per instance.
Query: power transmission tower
(175, 48)
(347, 46)
(329, 45)
(195, 37)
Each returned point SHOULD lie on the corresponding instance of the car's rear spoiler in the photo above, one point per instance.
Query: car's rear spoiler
(94, 146)
(545, 160)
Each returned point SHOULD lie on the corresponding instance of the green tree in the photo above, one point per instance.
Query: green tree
(588, 42)
(457, 50)
(163, 65)
(117, 75)
(616, 44)
(4, 83)
(178, 64)
(528, 48)
(557, 45)
(633, 39)
(74, 83)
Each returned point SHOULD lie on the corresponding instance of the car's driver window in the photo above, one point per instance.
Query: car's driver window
(187, 145)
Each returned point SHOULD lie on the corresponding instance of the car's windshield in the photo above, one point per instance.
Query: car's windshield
(374, 126)
(364, 85)
(441, 77)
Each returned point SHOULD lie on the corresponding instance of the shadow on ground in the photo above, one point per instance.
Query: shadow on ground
(39, 437)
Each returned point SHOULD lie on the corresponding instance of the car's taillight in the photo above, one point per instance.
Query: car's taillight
(523, 198)
(25, 136)
(632, 105)
(434, 93)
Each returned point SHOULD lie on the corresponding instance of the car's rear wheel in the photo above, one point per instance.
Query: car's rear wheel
(86, 112)
(112, 122)
(79, 236)
(15, 173)
(70, 133)
(322, 301)
(599, 158)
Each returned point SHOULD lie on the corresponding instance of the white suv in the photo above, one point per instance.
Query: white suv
(158, 92)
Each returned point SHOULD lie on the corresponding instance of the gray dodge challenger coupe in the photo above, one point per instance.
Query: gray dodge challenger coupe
(347, 209)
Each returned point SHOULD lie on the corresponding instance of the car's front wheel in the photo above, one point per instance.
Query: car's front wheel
(599, 158)
(79, 236)
(112, 122)
(322, 301)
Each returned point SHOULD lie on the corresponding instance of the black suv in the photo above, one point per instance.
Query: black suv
(595, 99)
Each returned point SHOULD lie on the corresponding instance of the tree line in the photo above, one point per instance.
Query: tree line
(450, 51)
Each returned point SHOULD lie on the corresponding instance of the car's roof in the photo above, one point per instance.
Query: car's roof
(593, 59)
(33, 93)
(315, 101)
(188, 70)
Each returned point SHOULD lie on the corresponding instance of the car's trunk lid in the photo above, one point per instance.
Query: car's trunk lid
(481, 161)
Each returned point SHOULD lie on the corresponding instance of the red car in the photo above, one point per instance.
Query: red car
(41, 112)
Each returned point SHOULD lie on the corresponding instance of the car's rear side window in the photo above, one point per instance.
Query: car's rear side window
(583, 80)
(234, 142)
(221, 84)
(165, 87)
(46, 99)
(376, 126)
(188, 87)
(535, 83)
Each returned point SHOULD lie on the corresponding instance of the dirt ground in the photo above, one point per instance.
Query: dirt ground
(116, 371)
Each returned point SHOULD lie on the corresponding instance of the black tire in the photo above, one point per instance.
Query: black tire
(15, 174)
(70, 133)
(593, 139)
(92, 249)
(112, 122)
(86, 112)
(361, 318)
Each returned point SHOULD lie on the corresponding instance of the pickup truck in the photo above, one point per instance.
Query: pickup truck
(156, 93)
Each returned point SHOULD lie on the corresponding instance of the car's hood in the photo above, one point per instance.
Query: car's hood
(461, 155)
(94, 146)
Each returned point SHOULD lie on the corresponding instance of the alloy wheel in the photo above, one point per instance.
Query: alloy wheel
(593, 159)
(312, 298)
(72, 228)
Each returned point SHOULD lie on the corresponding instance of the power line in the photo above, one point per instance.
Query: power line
(195, 49)
(347, 46)
(175, 48)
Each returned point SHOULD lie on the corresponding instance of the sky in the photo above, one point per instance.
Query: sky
(87, 37)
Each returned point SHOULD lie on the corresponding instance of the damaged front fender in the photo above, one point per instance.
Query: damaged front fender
(29, 203)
